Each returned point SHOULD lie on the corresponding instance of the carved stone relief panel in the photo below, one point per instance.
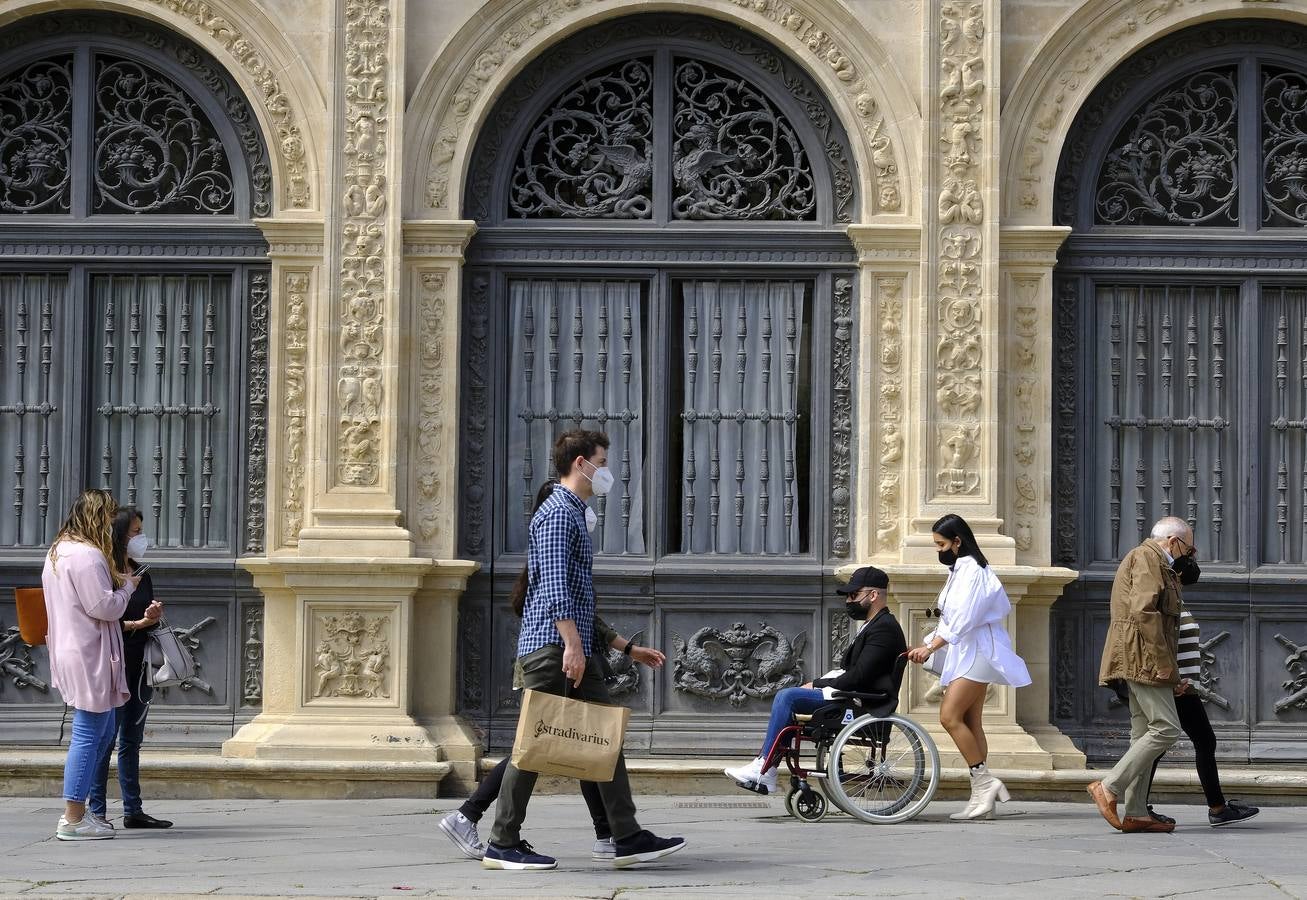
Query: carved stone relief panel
(841, 424)
(432, 378)
(295, 342)
(256, 411)
(890, 413)
(16, 663)
(1026, 405)
(351, 655)
(364, 276)
(1294, 686)
(252, 655)
(959, 353)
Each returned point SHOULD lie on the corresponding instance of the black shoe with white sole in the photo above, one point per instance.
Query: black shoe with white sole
(1233, 812)
(644, 846)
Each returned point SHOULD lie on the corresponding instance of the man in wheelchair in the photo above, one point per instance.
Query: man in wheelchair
(868, 667)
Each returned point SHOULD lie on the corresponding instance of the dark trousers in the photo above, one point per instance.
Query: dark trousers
(543, 671)
(1194, 722)
(488, 791)
(130, 731)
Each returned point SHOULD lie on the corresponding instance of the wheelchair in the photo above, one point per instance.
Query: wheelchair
(873, 765)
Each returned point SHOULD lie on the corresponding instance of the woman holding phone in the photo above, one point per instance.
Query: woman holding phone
(129, 546)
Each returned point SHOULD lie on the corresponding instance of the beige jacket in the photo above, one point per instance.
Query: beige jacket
(1142, 637)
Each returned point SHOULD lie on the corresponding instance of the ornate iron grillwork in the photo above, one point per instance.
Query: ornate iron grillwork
(155, 150)
(735, 154)
(1174, 163)
(591, 154)
(36, 137)
(1284, 147)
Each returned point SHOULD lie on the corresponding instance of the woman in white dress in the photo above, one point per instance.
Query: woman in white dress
(972, 608)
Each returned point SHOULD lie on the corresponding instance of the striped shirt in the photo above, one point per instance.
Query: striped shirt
(560, 584)
(1190, 655)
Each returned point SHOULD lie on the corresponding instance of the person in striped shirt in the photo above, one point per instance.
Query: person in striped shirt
(1193, 719)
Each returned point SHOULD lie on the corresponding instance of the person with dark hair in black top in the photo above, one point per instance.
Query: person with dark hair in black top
(129, 544)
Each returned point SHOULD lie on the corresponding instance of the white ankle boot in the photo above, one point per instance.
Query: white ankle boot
(753, 778)
(986, 790)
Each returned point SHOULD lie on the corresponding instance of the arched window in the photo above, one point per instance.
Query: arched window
(661, 255)
(133, 310)
(1181, 322)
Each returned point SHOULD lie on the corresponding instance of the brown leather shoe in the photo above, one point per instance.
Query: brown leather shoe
(1137, 824)
(1106, 807)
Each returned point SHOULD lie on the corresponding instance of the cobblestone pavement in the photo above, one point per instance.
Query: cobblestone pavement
(737, 847)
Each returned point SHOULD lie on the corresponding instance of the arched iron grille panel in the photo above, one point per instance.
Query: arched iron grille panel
(36, 144)
(1179, 369)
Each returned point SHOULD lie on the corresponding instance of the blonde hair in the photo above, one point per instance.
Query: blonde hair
(90, 521)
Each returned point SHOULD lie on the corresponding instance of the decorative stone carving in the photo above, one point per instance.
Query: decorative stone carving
(1295, 687)
(360, 385)
(295, 337)
(841, 408)
(256, 424)
(285, 119)
(1065, 683)
(1205, 686)
(352, 656)
(432, 377)
(472, 625)
(889, 464)
(623, 678)
(959, 362)
(252, 657)
(547, 17)
(1065, 436)
(838, 636)
(16, 662)
(1026, 405)
(737, 664)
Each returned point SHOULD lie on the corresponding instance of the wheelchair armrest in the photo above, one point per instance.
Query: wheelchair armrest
(873, 697)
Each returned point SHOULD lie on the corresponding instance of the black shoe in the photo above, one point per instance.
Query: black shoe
(1158, 817)
(143, 820)
(644, 846)
(519, 857)
(1233, 812)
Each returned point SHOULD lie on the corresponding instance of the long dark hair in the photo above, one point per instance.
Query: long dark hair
(954, 526)
(122, 523)
(517, 595)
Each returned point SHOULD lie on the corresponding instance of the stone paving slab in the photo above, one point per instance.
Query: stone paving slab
(739, 847)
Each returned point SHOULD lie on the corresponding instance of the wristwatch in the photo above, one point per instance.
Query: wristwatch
(626, 651)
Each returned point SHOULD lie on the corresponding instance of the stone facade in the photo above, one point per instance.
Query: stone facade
(955, 115)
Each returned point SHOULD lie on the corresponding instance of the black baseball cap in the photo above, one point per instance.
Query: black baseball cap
(866, 577)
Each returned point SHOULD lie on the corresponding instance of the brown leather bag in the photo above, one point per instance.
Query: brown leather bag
(32, 623)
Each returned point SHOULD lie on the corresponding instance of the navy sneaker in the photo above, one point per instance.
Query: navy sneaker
(644, 846)
(1233, 812)
(519, 856)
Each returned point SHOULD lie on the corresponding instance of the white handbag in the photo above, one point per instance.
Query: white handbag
(168, 662)
(934, 663)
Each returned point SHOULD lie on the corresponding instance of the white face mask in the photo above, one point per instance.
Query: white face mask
(137, 546)
(591, 520)
(601, 482)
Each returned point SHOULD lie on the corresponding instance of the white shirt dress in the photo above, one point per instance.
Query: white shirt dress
(972, 607)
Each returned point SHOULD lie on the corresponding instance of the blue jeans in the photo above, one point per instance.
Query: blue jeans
(787, 703)
(130, 730)
(92, 734)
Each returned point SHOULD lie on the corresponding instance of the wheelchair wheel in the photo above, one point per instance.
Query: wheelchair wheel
(806, 804)
(882, 770)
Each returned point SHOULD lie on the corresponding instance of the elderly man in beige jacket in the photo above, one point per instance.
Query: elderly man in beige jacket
(1141, 651)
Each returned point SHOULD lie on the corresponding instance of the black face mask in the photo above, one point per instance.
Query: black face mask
(1187, 569)
(948, 557)
(857, 612)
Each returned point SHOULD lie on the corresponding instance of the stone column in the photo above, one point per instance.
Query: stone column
(346, 630)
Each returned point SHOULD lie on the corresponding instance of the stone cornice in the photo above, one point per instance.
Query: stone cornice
(293, 237)
(1033, 245)
(437, 238)
(875, 243)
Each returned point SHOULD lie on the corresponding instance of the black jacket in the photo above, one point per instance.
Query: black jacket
(868, 664)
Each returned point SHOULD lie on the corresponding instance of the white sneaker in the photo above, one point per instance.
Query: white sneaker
(99, 820)
(86, 830)
(463, 832)
(605, 848)
(753, 778)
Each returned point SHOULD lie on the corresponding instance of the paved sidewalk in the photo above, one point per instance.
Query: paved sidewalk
(739, 846)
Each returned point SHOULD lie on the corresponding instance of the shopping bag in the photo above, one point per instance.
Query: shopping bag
(562, 736)
(32, 623)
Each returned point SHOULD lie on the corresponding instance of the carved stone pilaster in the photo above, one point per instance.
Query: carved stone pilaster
(295, 337)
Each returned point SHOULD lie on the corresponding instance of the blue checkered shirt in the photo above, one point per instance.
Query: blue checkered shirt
(560, 584)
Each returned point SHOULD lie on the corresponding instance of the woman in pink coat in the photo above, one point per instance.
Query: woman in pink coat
(85, 595)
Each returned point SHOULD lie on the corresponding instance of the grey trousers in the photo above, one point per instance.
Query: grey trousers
(1154, 727)
(543, 671)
